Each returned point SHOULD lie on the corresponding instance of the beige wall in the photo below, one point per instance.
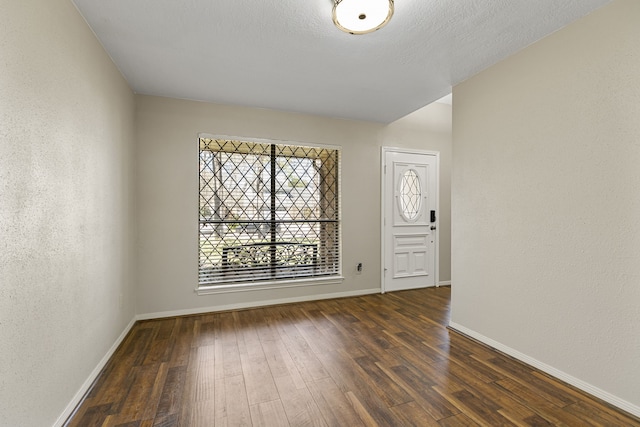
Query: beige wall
(546, 201)
(167, 194)
(66, 132)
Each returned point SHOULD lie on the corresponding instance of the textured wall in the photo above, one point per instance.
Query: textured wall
(167, 191)
(66, 131)
(546, 201)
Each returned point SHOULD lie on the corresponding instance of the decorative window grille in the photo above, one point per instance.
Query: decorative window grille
(267, 212)
(410, 195)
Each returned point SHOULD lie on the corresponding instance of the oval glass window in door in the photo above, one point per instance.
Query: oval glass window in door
(410, 195)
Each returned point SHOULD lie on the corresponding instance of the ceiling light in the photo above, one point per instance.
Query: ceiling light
(361, 16)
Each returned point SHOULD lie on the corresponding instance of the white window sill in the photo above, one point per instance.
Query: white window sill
(260, 286)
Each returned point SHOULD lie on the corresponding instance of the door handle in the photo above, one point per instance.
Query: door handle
(433, 227)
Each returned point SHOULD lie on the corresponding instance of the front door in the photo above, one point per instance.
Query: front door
(410, 219)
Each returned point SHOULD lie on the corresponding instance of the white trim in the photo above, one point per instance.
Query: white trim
(273, 284)
(444, 283)
(383, 166)
(410, 151)
(383, 176)
(84, 388)
(254, 304)
(576, 382)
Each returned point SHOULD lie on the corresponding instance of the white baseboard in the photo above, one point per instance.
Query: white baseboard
(444, 283)
(578, 383)
(92, 377)
(211, 309)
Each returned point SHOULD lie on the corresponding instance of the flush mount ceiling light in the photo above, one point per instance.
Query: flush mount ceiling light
(361, 16)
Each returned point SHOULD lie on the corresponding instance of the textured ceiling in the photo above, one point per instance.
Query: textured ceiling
(287, 54)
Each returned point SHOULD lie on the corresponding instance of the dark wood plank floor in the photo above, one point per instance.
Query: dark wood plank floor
(385, 360)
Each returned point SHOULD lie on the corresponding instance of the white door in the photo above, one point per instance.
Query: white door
(409, 219)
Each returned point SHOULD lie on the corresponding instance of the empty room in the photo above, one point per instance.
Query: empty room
(319, 213)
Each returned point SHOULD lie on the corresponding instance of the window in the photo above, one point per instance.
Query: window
(410, 195)
(268, 212)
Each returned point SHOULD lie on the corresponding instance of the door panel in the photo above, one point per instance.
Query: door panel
(410, 252)
(410, 190)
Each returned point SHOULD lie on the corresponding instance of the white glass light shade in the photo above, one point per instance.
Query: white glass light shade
(361, 16)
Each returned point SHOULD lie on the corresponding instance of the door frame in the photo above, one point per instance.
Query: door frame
(383, 199)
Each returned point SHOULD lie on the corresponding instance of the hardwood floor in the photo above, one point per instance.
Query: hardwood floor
(385, 360)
